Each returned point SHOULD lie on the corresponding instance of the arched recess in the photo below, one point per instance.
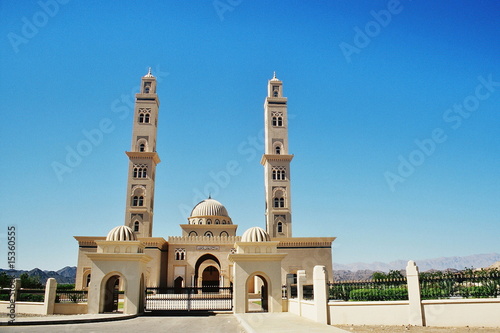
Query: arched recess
(203, 262)
(210, 279)
(111, 285)
(178, 284)
(258, 283)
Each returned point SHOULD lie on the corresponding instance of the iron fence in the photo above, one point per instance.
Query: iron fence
(188, 299)
(467, 284)
(71, 296)
(374, 290)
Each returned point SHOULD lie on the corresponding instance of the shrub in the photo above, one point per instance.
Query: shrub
(66, 286)
(389, 294)
(30, 297)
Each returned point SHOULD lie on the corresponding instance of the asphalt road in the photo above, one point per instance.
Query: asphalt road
(220, 323)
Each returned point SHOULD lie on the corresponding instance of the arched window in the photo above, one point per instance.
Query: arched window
(146, 90)
(87, 282)
(208, 234)
(141, 118)
(278, 150)
(209, 221)
(138, 200)
(223, 221)
(280, 227)
(275, 121)
(282, 202)
(142, 147)
(193, 233)
(274, 174)
(224, 234)
(276, 202)
(275, 94)
(136, 226)
(146, 119)
(200, 221)
(282, 175)
(280, 121)
(217, 222)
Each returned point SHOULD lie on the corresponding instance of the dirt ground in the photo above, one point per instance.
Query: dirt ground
(416, 329)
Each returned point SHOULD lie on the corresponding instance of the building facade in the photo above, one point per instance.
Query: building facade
(200, 255)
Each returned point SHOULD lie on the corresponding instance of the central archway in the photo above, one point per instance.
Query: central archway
(202, 264)
(210, 279)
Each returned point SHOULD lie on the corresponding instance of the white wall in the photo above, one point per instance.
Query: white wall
(369, 313)
(462, 312)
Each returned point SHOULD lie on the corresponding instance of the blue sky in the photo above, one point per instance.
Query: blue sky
(393, 109)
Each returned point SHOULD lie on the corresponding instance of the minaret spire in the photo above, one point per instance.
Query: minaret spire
(143, 159)
(276, 162)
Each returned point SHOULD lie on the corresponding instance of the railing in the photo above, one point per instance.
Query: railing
(467, 284)
(374, 290)
(71, 296)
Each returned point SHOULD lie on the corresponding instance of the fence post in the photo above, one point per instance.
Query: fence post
(301, 280)
(416, 316)
(320, 290)
(50, 296)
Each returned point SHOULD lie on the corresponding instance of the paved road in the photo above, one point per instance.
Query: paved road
(220, 323)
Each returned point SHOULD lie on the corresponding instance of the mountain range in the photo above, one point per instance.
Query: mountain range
(64, 275)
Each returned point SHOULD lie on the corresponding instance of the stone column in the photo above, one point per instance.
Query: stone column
(320, 288)
(416, 317)
(50, 296)
(301, 280)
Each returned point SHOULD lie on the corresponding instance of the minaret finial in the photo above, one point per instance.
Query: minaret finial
(149, 73)
(210, 195)
(274, 77)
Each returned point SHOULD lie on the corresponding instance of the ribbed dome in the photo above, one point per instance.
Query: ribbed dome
(209, 207)
(255, 234)
(121, 233)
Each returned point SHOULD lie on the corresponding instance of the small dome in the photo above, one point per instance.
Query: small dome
(255, 234)
(209, 207)
(121, 233)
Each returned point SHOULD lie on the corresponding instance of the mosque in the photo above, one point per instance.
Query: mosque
(204, 254)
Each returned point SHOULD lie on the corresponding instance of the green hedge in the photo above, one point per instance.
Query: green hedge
(390, 294)
(30, 297)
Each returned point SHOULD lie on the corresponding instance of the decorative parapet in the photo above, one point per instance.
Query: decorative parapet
(203, 239)
(305, 242)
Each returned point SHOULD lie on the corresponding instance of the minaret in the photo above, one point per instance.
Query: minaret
(143, 159)
(276, 162)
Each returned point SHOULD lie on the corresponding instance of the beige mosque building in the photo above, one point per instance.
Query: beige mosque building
(208, 252)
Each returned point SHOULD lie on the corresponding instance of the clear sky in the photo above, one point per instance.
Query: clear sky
(394, 119)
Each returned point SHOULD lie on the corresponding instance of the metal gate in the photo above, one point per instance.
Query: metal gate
(189, 299)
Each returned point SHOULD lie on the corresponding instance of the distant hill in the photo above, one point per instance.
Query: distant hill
(64, 275)
(474, 261)
(363, 271)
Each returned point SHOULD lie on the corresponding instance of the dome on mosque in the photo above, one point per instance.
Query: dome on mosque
(255, 234)
(121, 233)
(209, 211)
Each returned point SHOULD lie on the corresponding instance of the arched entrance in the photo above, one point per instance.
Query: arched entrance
(207, 271)
(111, 294)
(210, 279)
(257, 294)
